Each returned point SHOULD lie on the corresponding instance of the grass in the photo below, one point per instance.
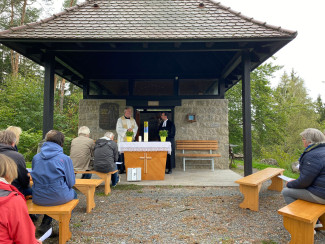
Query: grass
(260, 166)
(28, 165)
(128, 187)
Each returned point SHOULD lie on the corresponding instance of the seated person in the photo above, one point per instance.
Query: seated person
(17, 131)
(53, 176)
(81, 151)
(15, 224)
(310, 184)
(7, 147)
(105, 156)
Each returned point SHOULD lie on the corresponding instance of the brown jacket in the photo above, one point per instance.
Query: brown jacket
(81, 153)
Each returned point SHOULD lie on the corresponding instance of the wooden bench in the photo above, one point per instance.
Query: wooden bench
(250, 186)
(197, 145)
(300, 217)
(105, 176)
(87, 187)
(61, 213)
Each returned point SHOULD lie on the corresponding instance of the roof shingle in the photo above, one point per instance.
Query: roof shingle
(147, 20)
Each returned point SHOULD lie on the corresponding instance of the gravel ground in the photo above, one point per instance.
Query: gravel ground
(151, 214)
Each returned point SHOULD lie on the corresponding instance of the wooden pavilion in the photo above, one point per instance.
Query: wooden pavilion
(150, 50)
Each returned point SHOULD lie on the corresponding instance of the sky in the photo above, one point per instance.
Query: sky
(306, 53)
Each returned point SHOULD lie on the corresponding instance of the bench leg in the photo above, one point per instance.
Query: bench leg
(276, 185)
(64, 230)
(251, 195)
(107, 180)
(89, 192)
(184, 163)
(212, 164)
(301, 232)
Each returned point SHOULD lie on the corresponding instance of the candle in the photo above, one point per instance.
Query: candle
(140, 138)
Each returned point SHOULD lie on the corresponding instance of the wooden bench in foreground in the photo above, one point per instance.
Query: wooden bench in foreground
(87, 187)
(197, 145)
(250, 186)
(105, 176)
(299, 218)
(61, 213)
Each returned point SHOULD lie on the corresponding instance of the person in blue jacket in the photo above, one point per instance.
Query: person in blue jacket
(53, 176)
(310, 186)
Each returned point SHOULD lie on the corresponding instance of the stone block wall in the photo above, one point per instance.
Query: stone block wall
(89, 115)
(211, 124)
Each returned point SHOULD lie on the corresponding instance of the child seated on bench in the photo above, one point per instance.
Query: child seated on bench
(53, 176)
(15, 223)
(310, 184)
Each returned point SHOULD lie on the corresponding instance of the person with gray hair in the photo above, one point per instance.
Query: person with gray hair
(7, 147)
(105, 156)
(81, 152)
(310, 186)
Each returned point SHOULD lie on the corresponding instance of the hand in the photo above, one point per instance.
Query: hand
(130, 129)
(38, 241)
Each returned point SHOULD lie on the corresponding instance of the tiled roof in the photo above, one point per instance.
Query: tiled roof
(147, 20)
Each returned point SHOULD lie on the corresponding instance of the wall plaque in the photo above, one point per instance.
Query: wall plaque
(108, 115)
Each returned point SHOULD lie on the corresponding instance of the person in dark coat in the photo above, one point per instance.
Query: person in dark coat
(310, 186)
(168, 125)
(7, 147)
(105, 156)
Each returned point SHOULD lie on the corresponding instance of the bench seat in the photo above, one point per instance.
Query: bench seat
(300, 217)
(87, 187)
(105, 176)
(61, 213)
(197, 145)
(250, 186)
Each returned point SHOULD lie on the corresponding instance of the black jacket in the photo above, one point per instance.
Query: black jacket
(105, 156)
(312, 171)
(170, 127)
(22, 182)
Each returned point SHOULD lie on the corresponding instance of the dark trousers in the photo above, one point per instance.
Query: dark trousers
(121, 167)
(170, 163)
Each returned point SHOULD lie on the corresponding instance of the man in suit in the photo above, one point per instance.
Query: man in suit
(168, 125)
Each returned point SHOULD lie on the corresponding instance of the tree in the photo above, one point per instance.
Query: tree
(320, 110)
(296, 110)
(265, 130)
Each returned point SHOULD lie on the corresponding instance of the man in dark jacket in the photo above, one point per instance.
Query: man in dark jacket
(7, 147)
(168, 125)
(105, 156)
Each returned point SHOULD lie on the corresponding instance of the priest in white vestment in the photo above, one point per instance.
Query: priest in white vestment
(124, 124)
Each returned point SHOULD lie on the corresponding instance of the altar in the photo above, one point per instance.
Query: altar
(149, 156)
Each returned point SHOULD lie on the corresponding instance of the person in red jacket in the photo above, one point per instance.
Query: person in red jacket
(15, 223)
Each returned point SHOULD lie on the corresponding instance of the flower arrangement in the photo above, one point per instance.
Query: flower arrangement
(129, 133)
(163, 133)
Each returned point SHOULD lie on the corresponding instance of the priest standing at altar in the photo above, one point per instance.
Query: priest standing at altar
(124, 124)
(168, 125)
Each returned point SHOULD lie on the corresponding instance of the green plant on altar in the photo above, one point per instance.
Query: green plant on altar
(129, 133)
(163, 133)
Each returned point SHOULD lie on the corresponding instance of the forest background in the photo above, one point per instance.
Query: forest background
(279, 114)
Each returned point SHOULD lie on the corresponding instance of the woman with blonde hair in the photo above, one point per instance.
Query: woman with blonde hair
(17, 131)
(15, 223)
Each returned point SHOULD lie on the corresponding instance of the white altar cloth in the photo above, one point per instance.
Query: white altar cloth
(151, 146)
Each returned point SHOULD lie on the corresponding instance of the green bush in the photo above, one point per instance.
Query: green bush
(28, 143)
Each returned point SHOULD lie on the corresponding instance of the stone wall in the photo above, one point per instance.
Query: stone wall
(89, 115)
(211, 124)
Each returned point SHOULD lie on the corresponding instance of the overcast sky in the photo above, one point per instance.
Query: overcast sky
(306, 53)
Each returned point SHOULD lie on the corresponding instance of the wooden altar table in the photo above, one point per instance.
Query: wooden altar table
(149, 156)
